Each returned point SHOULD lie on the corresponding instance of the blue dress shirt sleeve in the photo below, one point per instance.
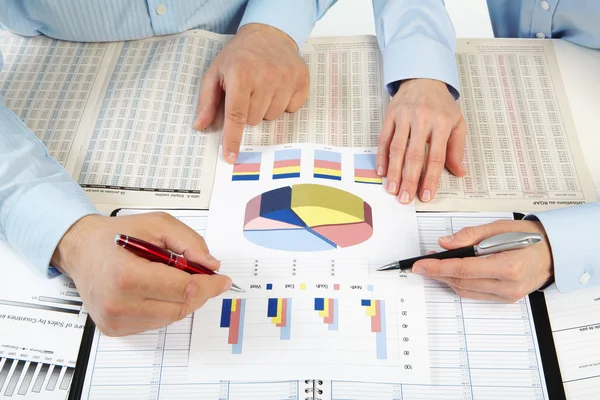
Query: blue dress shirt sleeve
(573, 234)
(296, 18)
(38, 199)
(417, 40)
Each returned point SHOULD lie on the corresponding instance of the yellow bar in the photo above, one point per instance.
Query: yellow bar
(325, 312)
(358, 179)
(233, 304)
(286, 170)
(277, 319)
(327, 171)
(372, 309)
(246, 173)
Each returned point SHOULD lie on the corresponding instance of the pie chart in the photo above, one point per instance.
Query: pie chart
(307, 217)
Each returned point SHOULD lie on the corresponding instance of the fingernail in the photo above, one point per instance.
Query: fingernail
(211, 258)
(404, 197)
(426, 196)
(380, 170)
(231, 157)
(447, 239)
(392, 187)
(197, 125)
(418, 270)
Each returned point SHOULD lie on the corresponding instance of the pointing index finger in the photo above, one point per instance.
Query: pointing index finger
(237, 103)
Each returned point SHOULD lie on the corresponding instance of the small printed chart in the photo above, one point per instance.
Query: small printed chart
(365, 169)
(307, 217)
(286, 164)
(328, 165)
(247, 167)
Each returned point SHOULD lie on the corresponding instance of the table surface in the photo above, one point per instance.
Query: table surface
(579, 66)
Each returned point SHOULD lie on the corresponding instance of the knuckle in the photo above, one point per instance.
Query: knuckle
(162, 216)
(436, 160)
(467, 233)
(414, 156)
(124, 281)
(111, 310)
(236, 116)
(397, 149)
(462, 272)
(191, 291)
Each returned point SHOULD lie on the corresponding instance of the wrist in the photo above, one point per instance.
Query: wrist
(269, 31)
(68, 247)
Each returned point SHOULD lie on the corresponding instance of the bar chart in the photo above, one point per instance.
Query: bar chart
(328, 309)
(376, 311)
(280, 312)
(287, 163)
(247, 166)
(328, 165)
(232, 317)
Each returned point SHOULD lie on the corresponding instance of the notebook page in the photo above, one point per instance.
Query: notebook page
(478, 350)
(153, 365)
(49, 84)
(575, 321)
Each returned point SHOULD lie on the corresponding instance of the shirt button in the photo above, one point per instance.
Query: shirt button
(545, 5)
(540, 35)
(160, 10)
(584, 278)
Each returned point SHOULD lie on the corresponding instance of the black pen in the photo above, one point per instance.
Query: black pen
(495, 244)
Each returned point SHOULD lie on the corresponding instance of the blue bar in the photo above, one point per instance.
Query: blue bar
(365, 161)
(237, 348)
(247, 157)
(368, 183)
(288, 154)
(285, 333)
(334, 326)
(365, 302)
(245, 177)
(325, 155)
(380, 337)
(319, 304)
(322, 176)
(272, 308)
(284, 176)
(225, 313)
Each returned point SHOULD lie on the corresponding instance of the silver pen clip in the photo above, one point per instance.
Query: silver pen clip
(507, 241)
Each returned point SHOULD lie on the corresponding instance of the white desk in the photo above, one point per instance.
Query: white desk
(580, 67)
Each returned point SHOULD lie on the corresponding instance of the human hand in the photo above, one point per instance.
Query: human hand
(505, 277)
(126, 294)
(262, 76)
(422, 111)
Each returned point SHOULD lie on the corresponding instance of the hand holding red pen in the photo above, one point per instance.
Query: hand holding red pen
(126, 294)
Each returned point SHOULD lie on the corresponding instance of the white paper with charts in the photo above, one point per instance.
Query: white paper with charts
(303, 228)
(478, 350)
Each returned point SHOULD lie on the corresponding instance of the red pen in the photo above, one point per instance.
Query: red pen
(154, 253)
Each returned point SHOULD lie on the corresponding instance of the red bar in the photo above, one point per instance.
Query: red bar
(365, 173)
(234, 323)
(283, 313)
(329, 319)
(328, 164)
(286, 163)
(254, 167)
(376, 319)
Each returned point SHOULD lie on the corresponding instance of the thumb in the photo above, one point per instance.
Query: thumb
(474, 234)
(209, 99)
(213, 285)
(455, 148)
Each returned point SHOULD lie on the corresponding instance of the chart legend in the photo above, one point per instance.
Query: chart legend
(328, 165)
(365, 169)
(376, 311)
(287, 164)
(307, 217)
(232, 317)
(279, 310)
(247, 167)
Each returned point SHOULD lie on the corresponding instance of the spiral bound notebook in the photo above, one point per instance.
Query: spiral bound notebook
(477, 350)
